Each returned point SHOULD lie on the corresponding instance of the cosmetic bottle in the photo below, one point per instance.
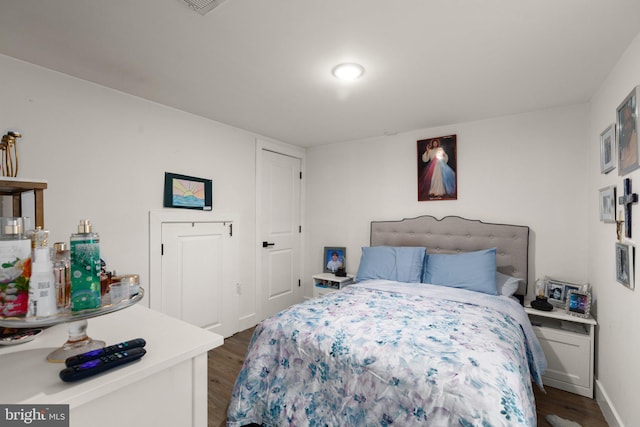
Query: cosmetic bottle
(15, 267)
(42, 287)
(62, 273)
(85, 268)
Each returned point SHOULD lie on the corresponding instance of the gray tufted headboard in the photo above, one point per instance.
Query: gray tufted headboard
(453, 234)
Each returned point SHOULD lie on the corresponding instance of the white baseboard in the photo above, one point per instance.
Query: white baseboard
(608, 411)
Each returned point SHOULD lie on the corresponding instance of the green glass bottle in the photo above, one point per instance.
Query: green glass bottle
(85, 268)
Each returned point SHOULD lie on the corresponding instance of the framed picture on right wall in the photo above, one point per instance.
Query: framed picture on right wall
(608, 149)
(628, 128)
(625, 264)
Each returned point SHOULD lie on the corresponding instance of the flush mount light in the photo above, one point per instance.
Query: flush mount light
(349, 71)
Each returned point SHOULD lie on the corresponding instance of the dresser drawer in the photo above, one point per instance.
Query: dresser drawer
(568, 356)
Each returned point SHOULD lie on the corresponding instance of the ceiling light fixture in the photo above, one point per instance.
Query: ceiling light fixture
(349, 71)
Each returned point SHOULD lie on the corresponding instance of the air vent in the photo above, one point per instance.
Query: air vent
(203, 6)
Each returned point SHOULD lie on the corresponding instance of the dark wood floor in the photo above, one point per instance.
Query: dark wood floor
(226, 361)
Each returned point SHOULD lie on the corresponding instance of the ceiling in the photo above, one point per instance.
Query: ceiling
(264, 65)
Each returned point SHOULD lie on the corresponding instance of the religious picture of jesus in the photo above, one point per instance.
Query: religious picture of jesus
(627, 124)
(437, 169)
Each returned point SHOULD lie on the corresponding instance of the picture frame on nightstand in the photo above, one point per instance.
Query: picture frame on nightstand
(578, 303)
(557, 291)
(334, 258)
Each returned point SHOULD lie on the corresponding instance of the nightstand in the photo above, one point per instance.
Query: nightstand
(568, 345)
(324, 283)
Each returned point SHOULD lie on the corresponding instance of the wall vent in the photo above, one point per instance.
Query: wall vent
(203, 6)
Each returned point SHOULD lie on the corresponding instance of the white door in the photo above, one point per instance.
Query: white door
(280, 228)
(197, 281)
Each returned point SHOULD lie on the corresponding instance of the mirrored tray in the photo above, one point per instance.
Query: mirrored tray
(79, 342)
(70, 316)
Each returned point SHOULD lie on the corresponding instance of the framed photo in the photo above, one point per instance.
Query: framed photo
(578, 303)
(188, 192)
(608, 149)
(334, 258)
(556, 291)
(608, 204)
(627, 124)
(625, 264)
(437, 169)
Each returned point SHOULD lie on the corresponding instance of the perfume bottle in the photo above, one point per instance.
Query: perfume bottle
(85, 268)
(15, 267)
(42, 287)
(62, 273)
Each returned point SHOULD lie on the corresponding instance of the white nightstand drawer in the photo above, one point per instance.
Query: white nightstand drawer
(568, 356)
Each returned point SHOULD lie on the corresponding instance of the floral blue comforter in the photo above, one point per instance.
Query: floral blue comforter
(380, 353)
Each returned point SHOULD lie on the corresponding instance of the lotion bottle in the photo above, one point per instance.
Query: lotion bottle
(85, 268)
(42, 284)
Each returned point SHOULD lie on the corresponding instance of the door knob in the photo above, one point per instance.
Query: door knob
(267, 244)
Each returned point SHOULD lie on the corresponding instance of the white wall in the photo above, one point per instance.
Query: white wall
(527, 169)
(617, 308)
(104, 154)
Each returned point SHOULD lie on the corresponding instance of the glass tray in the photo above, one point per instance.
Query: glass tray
(70, 316)
(79, 342)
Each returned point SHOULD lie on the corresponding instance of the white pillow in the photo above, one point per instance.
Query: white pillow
(506, 285)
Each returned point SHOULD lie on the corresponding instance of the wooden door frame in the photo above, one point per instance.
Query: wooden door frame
(291, 151)
(157, 217)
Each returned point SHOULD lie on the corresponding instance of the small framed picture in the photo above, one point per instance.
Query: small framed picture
(334, 258)
(608, 204)
(625, 264)
(608, 149)
(188, 192)
(556, 291)
(578, 303)
(627, 124)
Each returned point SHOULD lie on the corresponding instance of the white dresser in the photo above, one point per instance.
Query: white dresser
(167, 387)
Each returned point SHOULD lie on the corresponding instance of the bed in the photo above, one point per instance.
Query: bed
(425, 337)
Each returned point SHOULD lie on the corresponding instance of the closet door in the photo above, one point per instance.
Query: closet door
(197, 281)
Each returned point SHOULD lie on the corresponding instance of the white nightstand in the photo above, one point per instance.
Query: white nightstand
(568, 345)
(324, 283)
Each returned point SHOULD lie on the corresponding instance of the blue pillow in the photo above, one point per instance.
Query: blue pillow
(402, 264)
(475, 271)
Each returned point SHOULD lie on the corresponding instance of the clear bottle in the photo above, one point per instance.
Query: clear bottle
(15, 267)
(62, 273)
(85, 267)
(42, 287)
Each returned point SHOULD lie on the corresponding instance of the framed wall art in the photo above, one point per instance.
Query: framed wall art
(608, 204)
(578, 303)
(625, 264)
(188, 192)
(437, 169)
(608, 149)
(627, 126)
(334, 258)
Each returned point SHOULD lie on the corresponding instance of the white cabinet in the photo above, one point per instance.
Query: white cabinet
(167, 387)
(568, 345)
(328, 282)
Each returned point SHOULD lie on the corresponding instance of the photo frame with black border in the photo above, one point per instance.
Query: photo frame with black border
(607, 201)
(608, 149)
(578, 303)
(628, 128)
(187, 192)
(331, 264)
(625, 264)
